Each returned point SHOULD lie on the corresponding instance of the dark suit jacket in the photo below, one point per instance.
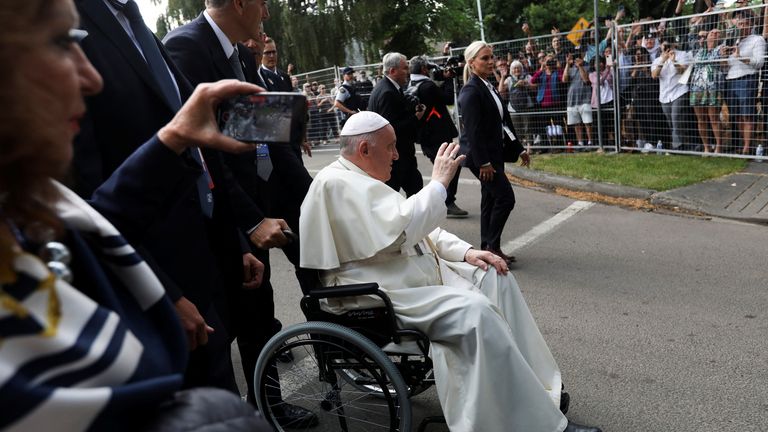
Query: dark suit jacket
(481, 135)
(198, 53)
(128, 112)
(436, 124)
(279, 81)
(389, 102)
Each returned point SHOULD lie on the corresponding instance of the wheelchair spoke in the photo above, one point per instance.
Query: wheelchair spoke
(341, 379)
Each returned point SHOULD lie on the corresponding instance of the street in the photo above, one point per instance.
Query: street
(657, 321)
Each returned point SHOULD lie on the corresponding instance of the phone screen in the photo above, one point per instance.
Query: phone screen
(268, 117)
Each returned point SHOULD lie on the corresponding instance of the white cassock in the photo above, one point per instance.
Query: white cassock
(493, 369)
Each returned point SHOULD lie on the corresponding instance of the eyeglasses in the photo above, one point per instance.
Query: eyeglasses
(270, 53)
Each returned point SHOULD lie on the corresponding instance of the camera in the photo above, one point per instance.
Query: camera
(452, 66)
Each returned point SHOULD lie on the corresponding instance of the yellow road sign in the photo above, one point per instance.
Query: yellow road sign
(578, 31)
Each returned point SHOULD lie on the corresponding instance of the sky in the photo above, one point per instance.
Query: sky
(150, 12)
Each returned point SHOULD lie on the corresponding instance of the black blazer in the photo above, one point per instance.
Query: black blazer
(279, 81)
(436, 124)
(130, 108)
(481, 135)
(198, 53)
(389, 102)
(158, 213)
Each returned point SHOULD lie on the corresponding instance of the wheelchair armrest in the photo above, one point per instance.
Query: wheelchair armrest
(351, 290)
(371, 288)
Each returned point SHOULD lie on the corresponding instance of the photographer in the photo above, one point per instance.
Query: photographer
(579, 111)
(436, 124)
(668, 68)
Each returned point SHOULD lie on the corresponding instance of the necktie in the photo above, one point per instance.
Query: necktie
(234, 61)
(159, 70)
(151, 52)
(263, 161)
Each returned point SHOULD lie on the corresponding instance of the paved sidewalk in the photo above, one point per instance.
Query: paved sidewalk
(740, 196)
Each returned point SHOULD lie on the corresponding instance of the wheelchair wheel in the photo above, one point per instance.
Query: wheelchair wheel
(324, 354)
(363, 382)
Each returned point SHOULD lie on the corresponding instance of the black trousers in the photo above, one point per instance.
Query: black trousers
(210, 365)
(405, 171)
(254, 323)
(497, 200)
(453, 186)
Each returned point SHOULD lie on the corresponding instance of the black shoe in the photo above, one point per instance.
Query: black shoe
(293, 416)
(573, 427)
(565, 401)
(455, 212)
(508, 258)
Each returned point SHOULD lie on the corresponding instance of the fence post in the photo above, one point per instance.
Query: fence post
(596, 27)
(616, 87)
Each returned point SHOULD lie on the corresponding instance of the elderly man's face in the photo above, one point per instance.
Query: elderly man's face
(400, 73)
(253, 14)
(381, 153)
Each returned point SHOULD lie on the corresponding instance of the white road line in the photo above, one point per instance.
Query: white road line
(546, 227)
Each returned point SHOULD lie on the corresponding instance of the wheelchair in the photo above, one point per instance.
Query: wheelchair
(356, 371)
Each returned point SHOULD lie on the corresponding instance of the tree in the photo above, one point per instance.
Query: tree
(314, 34)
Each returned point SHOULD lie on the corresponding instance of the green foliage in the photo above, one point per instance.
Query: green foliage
(650, 171)
(315, 34)
(177, 13)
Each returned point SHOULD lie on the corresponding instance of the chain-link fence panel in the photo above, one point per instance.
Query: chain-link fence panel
(318, 86)
(694, 84)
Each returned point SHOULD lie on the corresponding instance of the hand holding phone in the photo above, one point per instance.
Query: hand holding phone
(267, 117)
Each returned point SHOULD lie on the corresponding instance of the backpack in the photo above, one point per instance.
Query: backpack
(411, 94)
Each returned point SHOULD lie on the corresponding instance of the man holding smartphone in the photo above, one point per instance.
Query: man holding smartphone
(668, 68)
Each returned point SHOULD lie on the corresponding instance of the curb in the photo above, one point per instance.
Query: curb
(675, 200)
(612, 190)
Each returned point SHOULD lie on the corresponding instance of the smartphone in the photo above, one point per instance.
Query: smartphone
(268, 117)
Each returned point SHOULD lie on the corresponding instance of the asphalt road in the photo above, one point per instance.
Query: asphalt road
(658, 321)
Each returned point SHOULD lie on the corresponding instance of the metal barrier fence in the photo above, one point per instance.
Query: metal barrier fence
(710, 97)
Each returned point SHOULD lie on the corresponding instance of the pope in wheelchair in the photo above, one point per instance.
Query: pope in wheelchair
(493, 370)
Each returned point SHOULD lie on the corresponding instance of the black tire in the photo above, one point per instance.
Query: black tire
(317, 380)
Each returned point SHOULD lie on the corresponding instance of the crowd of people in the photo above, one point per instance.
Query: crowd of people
(123, 287)
(708, 95)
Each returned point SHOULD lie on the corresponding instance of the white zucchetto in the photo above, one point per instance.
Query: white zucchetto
(363, 122)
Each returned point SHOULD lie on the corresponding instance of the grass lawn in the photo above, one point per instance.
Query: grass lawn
(650, 171)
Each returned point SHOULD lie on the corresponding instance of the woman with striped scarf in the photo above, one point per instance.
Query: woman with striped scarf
(88, 338)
